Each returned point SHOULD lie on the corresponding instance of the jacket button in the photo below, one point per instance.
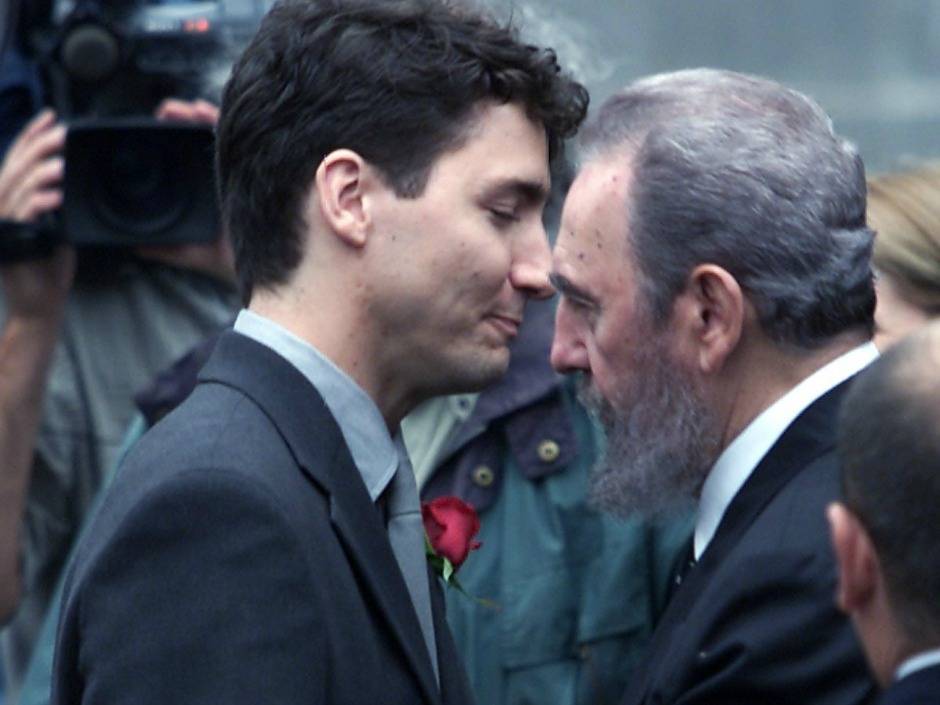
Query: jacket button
(548, 451)
(483, 476)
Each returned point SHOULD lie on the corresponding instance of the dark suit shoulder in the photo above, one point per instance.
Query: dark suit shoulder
(764, 626)
(220, 429)
(240, 550)
(206, 570)
(919, 688)
(774, 631)
(794, 520)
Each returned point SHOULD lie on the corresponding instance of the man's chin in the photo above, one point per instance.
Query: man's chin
(473, 373)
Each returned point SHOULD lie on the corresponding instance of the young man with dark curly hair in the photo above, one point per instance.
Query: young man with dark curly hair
(382, 169)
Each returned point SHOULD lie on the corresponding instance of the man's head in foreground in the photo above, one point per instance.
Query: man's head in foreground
(886, 531)
(383, 168)
(713, 252)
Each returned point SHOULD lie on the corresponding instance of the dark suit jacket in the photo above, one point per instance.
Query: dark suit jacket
(238, 558)
(919, 688)
(755, 620)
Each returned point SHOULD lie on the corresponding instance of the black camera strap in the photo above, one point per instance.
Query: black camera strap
(26, 241)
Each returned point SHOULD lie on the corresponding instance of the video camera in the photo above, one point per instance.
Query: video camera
(106, 64)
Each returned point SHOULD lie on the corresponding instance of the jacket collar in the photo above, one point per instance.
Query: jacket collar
(810, 436)
(304, 422)
(914, 688)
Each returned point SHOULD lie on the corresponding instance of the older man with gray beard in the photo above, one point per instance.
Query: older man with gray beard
(717, 294)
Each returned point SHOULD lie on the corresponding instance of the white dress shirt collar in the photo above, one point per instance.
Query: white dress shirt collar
(736, 463)
(373, 451)
(918, 662)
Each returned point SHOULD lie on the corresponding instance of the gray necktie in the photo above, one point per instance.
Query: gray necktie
(406, 533)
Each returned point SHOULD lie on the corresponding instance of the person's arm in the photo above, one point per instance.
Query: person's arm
(34, 293)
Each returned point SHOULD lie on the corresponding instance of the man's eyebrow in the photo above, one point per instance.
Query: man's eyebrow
(529, 191)
(564, 286)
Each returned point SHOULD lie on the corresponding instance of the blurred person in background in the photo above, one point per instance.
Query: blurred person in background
(78, 339)
(20, 93)
(904, 212)
(886, 529)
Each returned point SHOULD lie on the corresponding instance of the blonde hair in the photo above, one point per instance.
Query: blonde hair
(904, 211)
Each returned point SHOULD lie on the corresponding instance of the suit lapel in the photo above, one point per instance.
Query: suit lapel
(812, 434)
(455, 687)
(379, 574)
(298, 412)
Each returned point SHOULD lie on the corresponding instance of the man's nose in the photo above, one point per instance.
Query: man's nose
(531, 263)
(568, 352)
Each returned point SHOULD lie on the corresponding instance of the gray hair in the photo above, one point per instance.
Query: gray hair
(742, 172)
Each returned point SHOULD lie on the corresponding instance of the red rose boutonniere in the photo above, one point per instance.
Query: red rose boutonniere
(449, 526)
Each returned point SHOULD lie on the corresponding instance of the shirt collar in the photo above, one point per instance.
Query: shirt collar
(918, 662)
(373, 451)
(736, 463)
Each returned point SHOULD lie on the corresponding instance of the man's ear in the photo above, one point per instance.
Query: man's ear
(710, 312)
(340, 183)
(855, 557)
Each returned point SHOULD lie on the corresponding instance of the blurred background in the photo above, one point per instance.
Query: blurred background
(873, 65)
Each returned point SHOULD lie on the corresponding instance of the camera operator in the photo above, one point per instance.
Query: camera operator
(35, 294)
(73, 350)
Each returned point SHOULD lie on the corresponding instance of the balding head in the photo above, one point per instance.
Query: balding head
(890, 448)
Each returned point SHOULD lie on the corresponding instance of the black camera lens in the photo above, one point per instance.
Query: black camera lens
(140, 190)
(139, 182)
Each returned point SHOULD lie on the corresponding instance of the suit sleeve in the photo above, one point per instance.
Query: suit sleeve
(778, 637)
(201, 595)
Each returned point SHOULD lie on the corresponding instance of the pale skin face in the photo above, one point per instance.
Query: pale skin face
(596, 325)
(895, 317)
(455, 266)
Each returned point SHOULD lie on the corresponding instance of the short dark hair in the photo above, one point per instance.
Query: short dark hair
(396, 81)
(744, 173)
(889, 444)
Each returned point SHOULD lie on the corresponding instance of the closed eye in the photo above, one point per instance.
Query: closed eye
(572, 294)
(504, 217)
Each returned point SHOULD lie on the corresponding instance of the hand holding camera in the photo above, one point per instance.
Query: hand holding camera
(32, 171)
(30, 180)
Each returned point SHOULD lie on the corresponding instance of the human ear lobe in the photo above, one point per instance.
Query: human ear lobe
(711, 308)
(339, 185)
(855, 557)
